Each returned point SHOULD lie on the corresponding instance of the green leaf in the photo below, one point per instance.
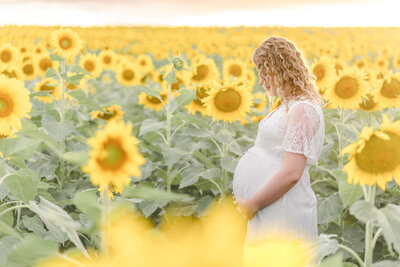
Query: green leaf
(349, 193)
(34, 224)
(87, 202)
(171, 77)
(75, 79)
(389, 219)
(20, 146)
(40, 93)
(30, 250)
(229, 164)
(84, 100)
(6, 245)
(364, 211)
(329, 209)
(76, 68)
(386, 263)
(54, 57)
(8, 217)
(327, 245)
(153, 194)
(51, 73)
(171, 155)
(23, 184)
(151, 125)
(31, 130)
(57, 130)
(332, 261)
(77, 157)
(186, 97)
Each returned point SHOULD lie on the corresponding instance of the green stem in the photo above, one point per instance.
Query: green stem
(224, 153)
(62, 145)
(353, 253)
(368, 230)
(104, 215)
(376, 237)
(13, 208)
(169, 115)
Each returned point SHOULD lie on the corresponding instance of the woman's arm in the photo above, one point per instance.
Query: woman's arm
(279, 184)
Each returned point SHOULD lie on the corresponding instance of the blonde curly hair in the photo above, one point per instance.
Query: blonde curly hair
(293, 79)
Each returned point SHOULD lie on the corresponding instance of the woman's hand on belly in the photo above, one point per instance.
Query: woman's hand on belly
(246, 208)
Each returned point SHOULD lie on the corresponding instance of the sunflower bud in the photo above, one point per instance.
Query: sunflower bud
(178, 63)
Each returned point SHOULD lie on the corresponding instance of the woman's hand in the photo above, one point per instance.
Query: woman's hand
(246, 207)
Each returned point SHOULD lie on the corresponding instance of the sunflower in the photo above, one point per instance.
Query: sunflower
(203, 69)
(153, 102)
(151, 74)
(324, 70)
(228, 100)
(14, 104)
(375, 157)
(250, 78)
(28, 70)
(340, 64)
(128, 73)
(347, 90)
(9, 55)
(114, 157)
(261, 103)
(382, 62)
(197, 103)
(145, 63)
(371, 101)
(234, 67)
(362, 63)
(12, 72)
(92, 64)
(48, 84)
(66, 42)
(39, 48)
(396, 61)
(115, 110)
(108, 59)
(389, 90)
(43, 62)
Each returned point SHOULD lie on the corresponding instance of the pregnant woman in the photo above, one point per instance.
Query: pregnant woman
(271, 182)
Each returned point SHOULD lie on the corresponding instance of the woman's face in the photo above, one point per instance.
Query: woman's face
(267, 82)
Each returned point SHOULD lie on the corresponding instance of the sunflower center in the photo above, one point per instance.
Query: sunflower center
(153, 99)
(369, 103)
(106, 116)
(392, 89)
(89, 65)
(380, 155)
(107, 59)
(128, 75)
(114, 156)
(28, 69)
(228, 100)
(45, 63)
(6, 105)
(9, 74)
(65, 42)
(202, 73)
(319, 71)
(346, 87)
(235, 70)
(200, 94)
(143, 62)
(175, 86)
(5, 56)
(71, 86)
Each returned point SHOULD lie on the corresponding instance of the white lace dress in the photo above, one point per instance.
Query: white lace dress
(300, 130)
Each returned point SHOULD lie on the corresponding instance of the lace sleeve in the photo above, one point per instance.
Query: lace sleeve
(303, 132)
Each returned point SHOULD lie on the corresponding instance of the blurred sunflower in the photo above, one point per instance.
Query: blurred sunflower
(39, 48)
(340, 64)
(115, 110)
(324, 70)
(389, 90)
(9, 55)
(12, 72)
(362, 63)
(92, 64)
(48, 84)
(43, 62)
(250, 78)
(375, 157)
(203, 69)
(234, 67)
(28, 70)
(347, 90)
(145, 63)
(114, 157)
(128, 73)
(261, 103)
(382, 62)
(228, 100)
(396, 61)
(197, 103)
(108, 59)
(151, 74)
(66, 42)
(14, 104)
(371, 101)
(153, 102)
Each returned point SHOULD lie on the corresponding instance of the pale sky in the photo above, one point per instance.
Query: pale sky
(325, 13)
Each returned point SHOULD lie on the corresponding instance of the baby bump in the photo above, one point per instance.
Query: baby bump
(254, 169)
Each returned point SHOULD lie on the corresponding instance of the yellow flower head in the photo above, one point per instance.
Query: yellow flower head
(66, 42)
(115, 110)
(375, 157)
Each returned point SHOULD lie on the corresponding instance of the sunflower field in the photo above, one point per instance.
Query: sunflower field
(118, 146)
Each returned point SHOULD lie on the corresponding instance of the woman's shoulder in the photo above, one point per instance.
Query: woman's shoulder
(304, 104)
